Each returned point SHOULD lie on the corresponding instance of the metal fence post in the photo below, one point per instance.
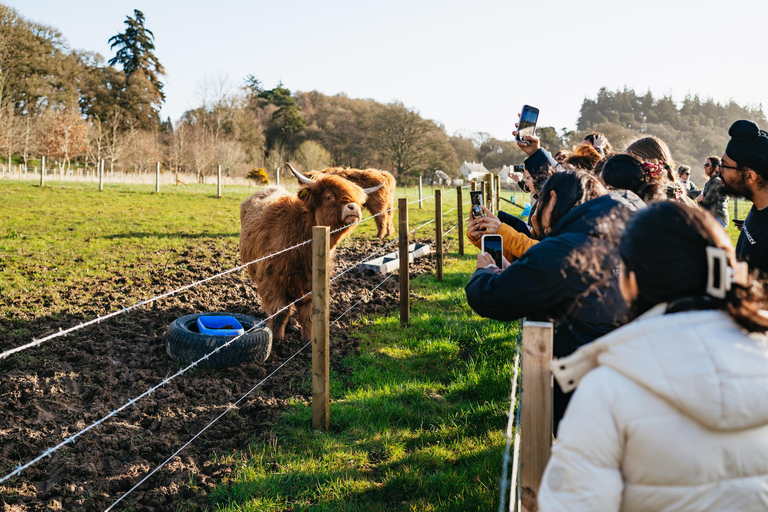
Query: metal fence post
(157, 178)
(420, 193)
(42, 171)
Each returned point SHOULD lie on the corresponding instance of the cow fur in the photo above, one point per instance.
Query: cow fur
(273, 219)
(379, 201)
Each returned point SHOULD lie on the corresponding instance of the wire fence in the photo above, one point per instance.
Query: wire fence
(513, 420)
(234, 405)
(72, 438)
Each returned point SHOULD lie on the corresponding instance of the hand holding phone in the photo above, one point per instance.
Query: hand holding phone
(493, 245)
(526, 126)
(476, 197)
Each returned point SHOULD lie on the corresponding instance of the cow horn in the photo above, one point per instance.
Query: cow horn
(302, 179)
(373, 189)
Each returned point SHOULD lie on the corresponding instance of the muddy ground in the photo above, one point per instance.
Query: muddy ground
(51, 392)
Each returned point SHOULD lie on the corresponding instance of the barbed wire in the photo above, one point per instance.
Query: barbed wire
(50, 451)
(232, 406)
(419, 227)
(82, 325)
(368, 257)
(511, 420)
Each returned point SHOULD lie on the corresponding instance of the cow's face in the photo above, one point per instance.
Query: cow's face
(334, 200)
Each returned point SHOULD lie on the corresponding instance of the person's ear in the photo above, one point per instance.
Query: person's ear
(750, 176)
(628, 286)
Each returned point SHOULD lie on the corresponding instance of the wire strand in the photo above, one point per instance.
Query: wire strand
(232, 406)
(50, 451)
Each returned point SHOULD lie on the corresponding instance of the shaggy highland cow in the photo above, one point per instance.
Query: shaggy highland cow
(273, 219)
(378, 202)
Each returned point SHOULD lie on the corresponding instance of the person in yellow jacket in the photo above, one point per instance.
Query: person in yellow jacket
(515, 242)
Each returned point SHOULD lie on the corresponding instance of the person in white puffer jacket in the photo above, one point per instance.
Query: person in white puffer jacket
(671, 410)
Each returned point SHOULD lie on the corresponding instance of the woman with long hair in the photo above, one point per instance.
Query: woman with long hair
(710, 197)
(576, 214)
(654, 153)
(670, 410)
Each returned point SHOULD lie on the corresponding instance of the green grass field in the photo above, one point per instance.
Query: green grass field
(417, 417)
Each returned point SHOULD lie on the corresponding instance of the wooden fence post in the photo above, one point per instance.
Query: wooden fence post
(497, 193)
(460, 208)
(157, 178)
(536, 413)
(439, 232)
(405, 283)
(42, 171)
(473, 185)
(321, 264)
(101, 175)
(218, 186)
(420, 193)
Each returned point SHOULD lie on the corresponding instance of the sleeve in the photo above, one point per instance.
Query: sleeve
(584, 471)
(711, 192)
(515, 242)
(474, 242)
(539, 159)
(528, 286)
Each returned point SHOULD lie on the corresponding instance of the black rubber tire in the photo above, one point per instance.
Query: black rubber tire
(185, 344)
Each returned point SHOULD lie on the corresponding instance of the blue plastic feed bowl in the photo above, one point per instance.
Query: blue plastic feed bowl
(219, 325)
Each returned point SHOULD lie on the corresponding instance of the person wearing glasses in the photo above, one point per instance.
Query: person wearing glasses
(690, 188)
(744, 171)
(710, 197)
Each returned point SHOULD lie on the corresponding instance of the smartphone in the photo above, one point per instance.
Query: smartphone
(527, 125)
(493, 244)
(476, 197)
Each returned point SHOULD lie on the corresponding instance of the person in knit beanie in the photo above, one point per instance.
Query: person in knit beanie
(744, 171)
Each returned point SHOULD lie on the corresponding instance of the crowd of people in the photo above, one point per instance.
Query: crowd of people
(661, 353)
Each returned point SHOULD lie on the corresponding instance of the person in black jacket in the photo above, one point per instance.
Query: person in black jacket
(570, 277)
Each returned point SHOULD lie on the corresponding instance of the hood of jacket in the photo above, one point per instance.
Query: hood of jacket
(700, 362)
(598, 216)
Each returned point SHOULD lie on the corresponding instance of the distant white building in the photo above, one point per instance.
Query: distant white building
(473, 171)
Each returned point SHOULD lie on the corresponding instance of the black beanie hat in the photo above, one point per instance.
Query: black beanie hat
(748, 146)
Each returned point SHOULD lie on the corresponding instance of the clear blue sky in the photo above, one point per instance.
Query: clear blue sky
(468, 65)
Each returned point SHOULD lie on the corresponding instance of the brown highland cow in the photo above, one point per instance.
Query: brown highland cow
(379, 201)
(273, 219)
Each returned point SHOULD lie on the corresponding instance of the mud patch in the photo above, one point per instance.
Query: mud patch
(53, 391)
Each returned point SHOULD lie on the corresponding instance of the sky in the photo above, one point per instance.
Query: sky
(469, 65)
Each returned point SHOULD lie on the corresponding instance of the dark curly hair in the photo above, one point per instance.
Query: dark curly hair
(625, 172)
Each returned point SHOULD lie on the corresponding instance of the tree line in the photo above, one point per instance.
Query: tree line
(77, 108)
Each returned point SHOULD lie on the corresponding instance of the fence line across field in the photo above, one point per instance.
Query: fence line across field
(234, 405)
(82, 325)
(513, 398)
(50, 451)
(47, 453)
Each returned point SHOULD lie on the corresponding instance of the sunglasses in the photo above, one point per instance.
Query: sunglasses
(707, 164)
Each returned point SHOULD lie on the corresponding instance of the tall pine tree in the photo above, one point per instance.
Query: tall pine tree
(135, 53)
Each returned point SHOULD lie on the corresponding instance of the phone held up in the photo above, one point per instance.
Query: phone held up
(476, 197)
(526, 127)
(492, 244)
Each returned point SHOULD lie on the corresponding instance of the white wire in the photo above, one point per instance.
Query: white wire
(447, 232)
(82, 325)
(38, 342)
(47, 453)
(510, 422)
(232, 406)
(368, 257)
(419, 227)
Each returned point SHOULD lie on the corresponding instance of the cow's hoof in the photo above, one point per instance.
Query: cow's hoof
(186, 344)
